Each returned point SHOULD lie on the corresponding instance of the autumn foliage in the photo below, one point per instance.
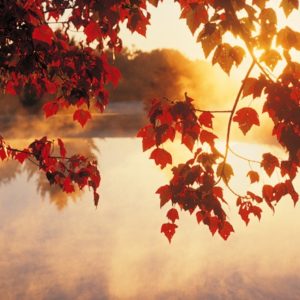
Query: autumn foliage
(35, 54)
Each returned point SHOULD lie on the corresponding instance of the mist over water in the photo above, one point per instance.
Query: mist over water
(54, 246)
(163, 74)
(117, 251)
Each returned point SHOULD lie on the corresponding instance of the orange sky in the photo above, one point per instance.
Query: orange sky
(167, 30)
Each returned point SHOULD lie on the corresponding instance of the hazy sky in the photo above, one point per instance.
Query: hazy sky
(167, 30)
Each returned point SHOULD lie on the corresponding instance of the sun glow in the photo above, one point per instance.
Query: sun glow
(167, 30)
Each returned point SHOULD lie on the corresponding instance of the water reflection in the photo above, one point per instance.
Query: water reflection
(117, 251)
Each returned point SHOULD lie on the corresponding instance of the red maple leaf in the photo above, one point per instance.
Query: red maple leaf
(43, 33)
(50, 87)
(188, 141)
(147, 133)
(169, 230)
(244, 213)
(50, 108)
(225, 230)
(291, 191)
(138, 22)
(280, 190)
(267, 193)
(249, 84)
(213, 224)
(21, 156)
(246, 117)
(165, 194)
(195, 14)
(113, 75)
(269, 162)
(199, 216)
(92, 31)
(62, 148)
(205, 119)
(207, 137)
(3, 154)
(68, 186)
(256, 211)
(288, 168)
(247, 208)
(172, 214)
(255, 197)
(163, 133)
(82, 116)
(161, 157)
(254, 177)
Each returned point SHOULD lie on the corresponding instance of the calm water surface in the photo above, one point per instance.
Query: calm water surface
(53, 249)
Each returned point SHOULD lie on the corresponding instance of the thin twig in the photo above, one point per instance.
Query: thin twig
(234, 108)
(242, 157)
(32, 154)
(231, 117)
(213, 111)
(55, 9)
(32, 161)
(57, 22)
(234, 192)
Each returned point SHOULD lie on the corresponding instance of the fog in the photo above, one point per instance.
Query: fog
(162, 74)
(118, 252)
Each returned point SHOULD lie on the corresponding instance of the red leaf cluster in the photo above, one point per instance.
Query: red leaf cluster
(193, 186)
(65, 172)
(34, 56)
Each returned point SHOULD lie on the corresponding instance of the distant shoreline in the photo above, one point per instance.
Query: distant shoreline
(118, 120)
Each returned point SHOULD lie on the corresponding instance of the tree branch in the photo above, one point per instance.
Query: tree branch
(231, 117)
(32, 154)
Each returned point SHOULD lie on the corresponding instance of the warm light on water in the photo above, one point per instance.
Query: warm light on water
(118, 252)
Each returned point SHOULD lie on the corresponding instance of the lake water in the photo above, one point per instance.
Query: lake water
(53, 248)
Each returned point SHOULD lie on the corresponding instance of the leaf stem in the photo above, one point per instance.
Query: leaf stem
(213, 111)
(242, 157)
(234, 192)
